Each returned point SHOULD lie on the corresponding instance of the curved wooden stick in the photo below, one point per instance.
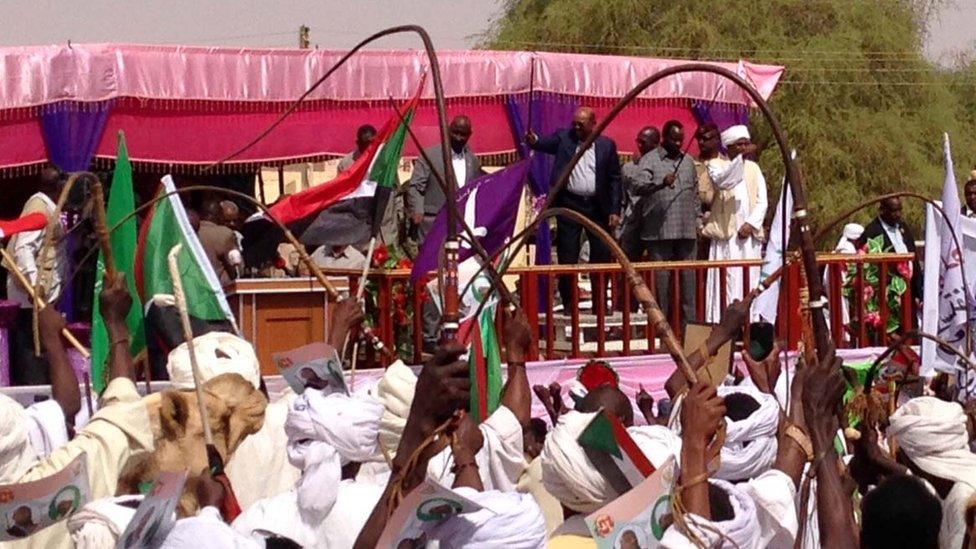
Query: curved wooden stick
(26, 285)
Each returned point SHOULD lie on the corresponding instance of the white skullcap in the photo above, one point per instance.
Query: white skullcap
(100, 523)
(350, 425)
(217, 353)
(750, 443)
(933, 434)
(570, 476)
(508, 520)
(853, 231)
(735, 133)
(16, 453)
(395, 391)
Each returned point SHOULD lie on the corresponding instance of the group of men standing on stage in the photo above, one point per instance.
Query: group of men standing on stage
(663, 205)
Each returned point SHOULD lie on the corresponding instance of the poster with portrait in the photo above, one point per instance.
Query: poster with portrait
(638, 518)
(424, 508)
(30, 507)
(155, 516)
(316, 365)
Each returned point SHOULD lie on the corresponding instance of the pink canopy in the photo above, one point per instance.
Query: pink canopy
(187, 106)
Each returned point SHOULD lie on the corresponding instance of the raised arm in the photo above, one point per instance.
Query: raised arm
(516, 395)
(548, 144)
(823, 390)
(733, 318)
(115, 302)
(64, 383)
(701, 416)
(442, 388)
(465, 445)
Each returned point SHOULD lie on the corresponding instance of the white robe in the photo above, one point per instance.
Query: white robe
(735, 248)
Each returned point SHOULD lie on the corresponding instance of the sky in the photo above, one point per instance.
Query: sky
(336, 24)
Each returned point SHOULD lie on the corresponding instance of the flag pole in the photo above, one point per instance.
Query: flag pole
(360, 290)
(101, 228)
(230, 508)
(41, 303)
(174, 272)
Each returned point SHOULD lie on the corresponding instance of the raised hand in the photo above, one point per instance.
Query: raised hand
(764, 373)
(702, 413)
(115, 300)
(518, 336)
(347, 315)
(645, 403)
(443, 386)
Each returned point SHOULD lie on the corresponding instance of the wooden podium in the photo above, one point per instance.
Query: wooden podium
(279, 314)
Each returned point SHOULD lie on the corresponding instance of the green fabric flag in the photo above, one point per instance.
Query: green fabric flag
(485, 365)
(383, 172)
(165, 227)
(121, 202)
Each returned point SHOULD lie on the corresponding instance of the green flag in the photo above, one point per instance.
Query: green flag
(121, 202)
(384, 169)
(166, 226)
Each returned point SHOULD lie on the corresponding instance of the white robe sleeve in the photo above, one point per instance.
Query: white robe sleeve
(726, 175)
(758, 213)
(501, 460)
(774, 494)
(45, 427)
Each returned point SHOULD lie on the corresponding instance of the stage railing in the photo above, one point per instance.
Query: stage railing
(858, 317)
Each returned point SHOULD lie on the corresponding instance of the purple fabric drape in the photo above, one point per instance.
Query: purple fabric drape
(724, 115)
(72, 131)
(549, 114)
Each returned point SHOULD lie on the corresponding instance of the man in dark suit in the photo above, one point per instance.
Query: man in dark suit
(425, 197)
(593, 190)
(898, 238)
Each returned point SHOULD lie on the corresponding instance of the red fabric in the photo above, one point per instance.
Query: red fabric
(310, 202)
(22, 143)
(630, 447)
(31, 222)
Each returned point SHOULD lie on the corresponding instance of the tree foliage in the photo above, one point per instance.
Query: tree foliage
(861, 104)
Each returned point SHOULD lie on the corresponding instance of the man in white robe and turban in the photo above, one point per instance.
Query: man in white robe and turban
(735, 222)
(934, 443)
(324, 432)
(570, 476)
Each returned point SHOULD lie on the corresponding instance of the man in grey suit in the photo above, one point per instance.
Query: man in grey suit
(671, 207)
(425, 197)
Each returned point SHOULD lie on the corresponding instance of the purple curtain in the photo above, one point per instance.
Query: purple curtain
(724, 115)
(549, 114)
(72, 131)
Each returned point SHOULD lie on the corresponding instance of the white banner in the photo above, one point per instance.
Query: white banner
(766, 306)
(944, 300)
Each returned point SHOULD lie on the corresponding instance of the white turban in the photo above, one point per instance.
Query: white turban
(350, 425)
(735, 133)
(395, 391)
(509, 520)
(853, 231)
(570, 476)
(750, 444)
(100, 523)
(16, 453)
(207, 530)
(742, 531)
(933, 434)
(217, 353)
